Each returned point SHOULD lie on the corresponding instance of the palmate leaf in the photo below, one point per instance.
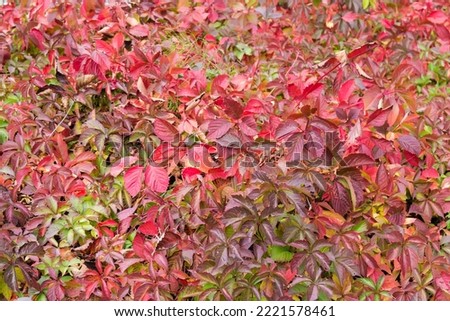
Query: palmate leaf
(280, 253)
(217, 128)
(340, 198)
(5, 290)
(11, 278)
(410, 144)
(156, 178)
(31, 249)
(165, 130)
(133, 180)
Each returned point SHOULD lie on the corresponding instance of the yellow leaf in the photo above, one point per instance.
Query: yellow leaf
(4, 289)
(365, 4)
(333, 217)
(183, 4)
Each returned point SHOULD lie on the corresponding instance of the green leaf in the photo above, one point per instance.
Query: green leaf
(368, 282)
(365, 4)
(280, 253)
(5, 290)
(360, 227)
(317, 2)
(427, 130)
(3, 135)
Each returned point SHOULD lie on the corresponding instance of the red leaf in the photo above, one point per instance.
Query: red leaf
(188, 172)
(372, 98)
(156, 178)
(443, 32)
(443, 281)
(310, 89)
(294, 90)
(232, 108)
(139, 30)
(411, 158)
(117, 41)
(410, 144)
(340, 199)
(217, 128)
(105, 47)
(361, 50)
(101, 59)
(133, 180)
(358, 160)
(349, 17)
(248, 126)
(346, 90)
(149, 228)
(81, 158)
(138, 245)
(55, 291)
(91, 67)
(119, 166)
(254, 106)
(61, 151)
(108, 223)
(164, 152)
(379, 117)
(126, 213)
(430, 173)
(383, 179)
(286, 128)
(219, 85)
(437, 17)
(37, 38)
(165, 131)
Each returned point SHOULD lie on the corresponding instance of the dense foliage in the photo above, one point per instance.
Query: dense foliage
(225, 150)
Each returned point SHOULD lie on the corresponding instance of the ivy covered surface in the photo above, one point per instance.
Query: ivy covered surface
(225, 150)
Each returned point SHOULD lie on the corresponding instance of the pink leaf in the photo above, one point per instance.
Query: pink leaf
(105, 47)
(232, 108)
(254, 106)
(442, 32)
(340, 198)
(217, 128)
(149, 228)
(358, 160)
(156, 178)
(286, 128)
(430, 173)
(346, 90)
(240, 82)
(55, 291)
(117, 41)
(437, 17)
(188, 172)
(139, 30)
(119, 166)
(139, 245)
(349, 17)
(165, 131)
(361, 50)
(133, 180)
(378, 118)
(383, 179)
(410, 144)
(101, 59)
(248, 126)
(219, 85)
(443, 281)
(311, 88)
(372, 97)
(126, 213)
(37, 38)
